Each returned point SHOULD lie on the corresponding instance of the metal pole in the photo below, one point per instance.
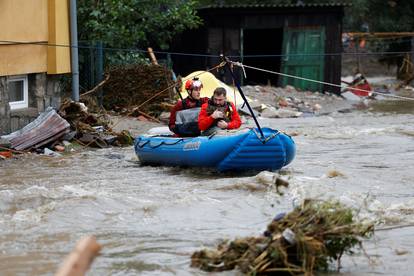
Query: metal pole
(99, 70)
(242, 94)
(357, 56)
(174, 78)
(74, 51)
(241, 54)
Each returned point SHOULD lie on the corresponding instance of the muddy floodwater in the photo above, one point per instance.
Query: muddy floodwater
(149, 220)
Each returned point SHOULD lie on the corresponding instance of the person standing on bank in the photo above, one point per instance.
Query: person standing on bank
(185, 123)
(218, 113)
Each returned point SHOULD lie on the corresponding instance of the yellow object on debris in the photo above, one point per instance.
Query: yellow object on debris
(210, 82)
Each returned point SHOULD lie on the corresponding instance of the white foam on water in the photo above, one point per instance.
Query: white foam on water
(30, 216)
(78, 191)
(393, 214)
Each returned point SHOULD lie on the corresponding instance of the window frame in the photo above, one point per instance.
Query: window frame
(25, 102)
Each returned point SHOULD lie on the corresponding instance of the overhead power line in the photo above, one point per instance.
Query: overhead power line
(44, 43)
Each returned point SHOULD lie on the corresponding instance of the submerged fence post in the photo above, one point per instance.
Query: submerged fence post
(241, 53)
(99, 69)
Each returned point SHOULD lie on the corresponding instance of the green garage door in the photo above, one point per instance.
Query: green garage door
(301, 48)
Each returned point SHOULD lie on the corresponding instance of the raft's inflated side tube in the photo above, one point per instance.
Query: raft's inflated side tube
(245, 150)
(200, 151)
(290, 148)
(272, 152)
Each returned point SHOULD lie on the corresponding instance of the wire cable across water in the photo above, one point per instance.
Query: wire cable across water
(316, 81)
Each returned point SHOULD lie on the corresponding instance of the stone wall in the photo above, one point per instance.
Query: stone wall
(44, 91)
(4, 106)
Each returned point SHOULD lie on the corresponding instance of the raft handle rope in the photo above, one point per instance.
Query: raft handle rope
(212, 135)
(263, 139)
(160, 144)
(321, 82)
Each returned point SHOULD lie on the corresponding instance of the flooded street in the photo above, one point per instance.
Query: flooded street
(150, 220)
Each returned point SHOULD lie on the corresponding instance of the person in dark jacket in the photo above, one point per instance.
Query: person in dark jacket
(183, 121)
(218, 113)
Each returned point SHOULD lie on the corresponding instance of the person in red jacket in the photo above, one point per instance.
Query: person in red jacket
(218, 114)
(359, 86)
(363, 89)
(185, 124)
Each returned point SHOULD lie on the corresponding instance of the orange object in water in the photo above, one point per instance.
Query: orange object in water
(6, 154)
(362, 43)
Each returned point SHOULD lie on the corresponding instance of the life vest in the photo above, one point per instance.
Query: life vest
(226, 109)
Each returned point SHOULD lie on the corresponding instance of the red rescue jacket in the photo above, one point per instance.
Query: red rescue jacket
(205, 120)
(363, 86)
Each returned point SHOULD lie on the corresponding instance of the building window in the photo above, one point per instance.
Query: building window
(18, 92)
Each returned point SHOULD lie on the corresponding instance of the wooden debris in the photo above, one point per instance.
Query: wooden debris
(152, 56)
(96, 88)
(12, 150)
(142, 86)
(79, 118)
(334, 173)
(92, 130)
(124, 138)
(301, 242)
(136, 111)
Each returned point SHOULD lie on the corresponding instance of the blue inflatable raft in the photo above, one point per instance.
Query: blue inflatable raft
(240, 150)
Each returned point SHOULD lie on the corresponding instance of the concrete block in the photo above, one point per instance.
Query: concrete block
(14, 124)
(3, 111)
(4, 126)
(40, 104)
(47, 102)
(55, 103)
(4, 97)
(40, 85)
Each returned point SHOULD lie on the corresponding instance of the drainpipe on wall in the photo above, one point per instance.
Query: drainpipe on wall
(74, 51)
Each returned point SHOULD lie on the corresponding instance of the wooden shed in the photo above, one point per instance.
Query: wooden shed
(301, 39)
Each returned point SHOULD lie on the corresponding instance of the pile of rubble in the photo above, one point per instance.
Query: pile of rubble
(301, 242)
(58, 131)
(130, 88)
(137, 90)
(287, 102)
(91, 129)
